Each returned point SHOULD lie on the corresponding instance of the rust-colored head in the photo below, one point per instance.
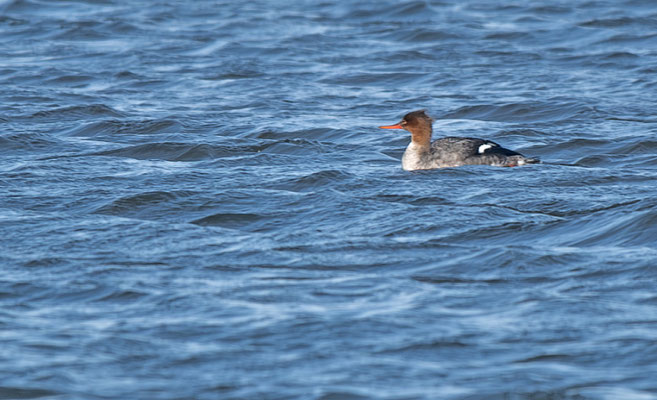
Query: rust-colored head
(418, 123)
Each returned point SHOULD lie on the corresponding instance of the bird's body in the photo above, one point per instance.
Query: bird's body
(457, 151)
(451, 151)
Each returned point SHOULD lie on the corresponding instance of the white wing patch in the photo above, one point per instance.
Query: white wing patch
(485, 147)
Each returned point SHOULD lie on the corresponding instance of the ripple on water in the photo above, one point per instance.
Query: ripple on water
(33, 141)
(519, 112)
(77, 112)
(8, 392)
(242, 221)
(312, 182)
(109, 128)
(171, 151)
(196, 201)
(150, 205)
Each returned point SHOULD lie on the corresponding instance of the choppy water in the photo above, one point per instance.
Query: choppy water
(196, 201)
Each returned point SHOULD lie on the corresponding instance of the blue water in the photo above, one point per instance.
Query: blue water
(196, 201)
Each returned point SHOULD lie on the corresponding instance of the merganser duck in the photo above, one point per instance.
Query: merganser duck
(450, 151)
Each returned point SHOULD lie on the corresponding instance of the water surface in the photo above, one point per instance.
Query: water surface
(196, 201)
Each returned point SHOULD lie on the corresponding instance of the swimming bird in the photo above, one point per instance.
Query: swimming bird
(450, 151)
